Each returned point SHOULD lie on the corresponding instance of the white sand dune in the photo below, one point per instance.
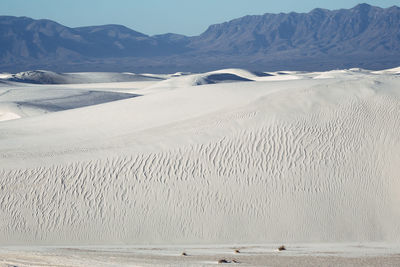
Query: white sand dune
(26, 100)
(5, 116)
(305, 160)
(388, 71)
(214, 77)
(5, 75)
(49, 77)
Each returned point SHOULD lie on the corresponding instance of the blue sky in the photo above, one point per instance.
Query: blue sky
(187, 17)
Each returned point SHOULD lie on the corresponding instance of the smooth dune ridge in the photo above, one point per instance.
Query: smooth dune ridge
(311, 159)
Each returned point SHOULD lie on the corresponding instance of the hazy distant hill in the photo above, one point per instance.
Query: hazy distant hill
(364, 36)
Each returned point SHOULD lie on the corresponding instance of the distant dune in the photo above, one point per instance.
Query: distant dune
(246, 157)
(48, 77)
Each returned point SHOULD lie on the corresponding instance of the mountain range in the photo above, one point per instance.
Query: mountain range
(364, 36)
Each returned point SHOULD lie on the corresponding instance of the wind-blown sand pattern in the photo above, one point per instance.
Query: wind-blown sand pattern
(267, 161)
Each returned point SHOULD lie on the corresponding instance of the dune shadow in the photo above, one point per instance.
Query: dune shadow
(222, 78)
(261, 74)
(85, 99)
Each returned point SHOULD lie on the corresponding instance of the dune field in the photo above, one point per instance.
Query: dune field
(219, 158)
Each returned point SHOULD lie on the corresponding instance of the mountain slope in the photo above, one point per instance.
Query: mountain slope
(25, 38)
(363, 28)
(364, 36)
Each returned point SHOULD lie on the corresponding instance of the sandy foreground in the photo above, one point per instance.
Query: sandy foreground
(251, 255)
(122, 173)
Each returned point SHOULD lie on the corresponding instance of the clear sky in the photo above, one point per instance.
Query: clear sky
(189, 17)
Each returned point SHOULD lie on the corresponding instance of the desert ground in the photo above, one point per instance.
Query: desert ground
(348, 254)
(105, 169)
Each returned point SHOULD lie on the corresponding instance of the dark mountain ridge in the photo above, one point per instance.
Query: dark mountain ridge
(364, 36)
